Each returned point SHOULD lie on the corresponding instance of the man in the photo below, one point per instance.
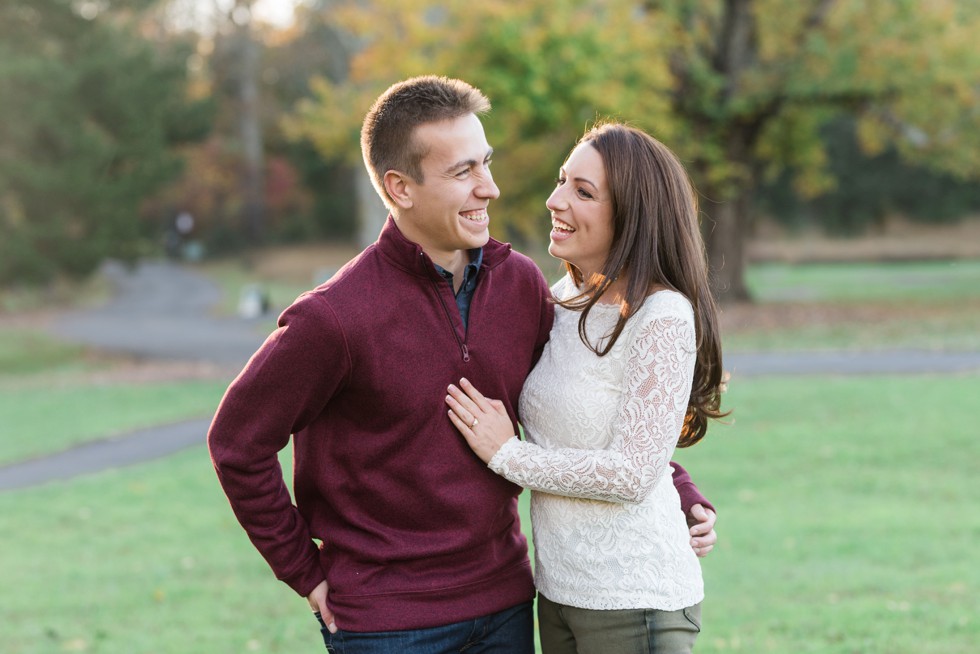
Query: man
(421, 543)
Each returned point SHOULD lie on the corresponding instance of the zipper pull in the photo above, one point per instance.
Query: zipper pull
(466, 353)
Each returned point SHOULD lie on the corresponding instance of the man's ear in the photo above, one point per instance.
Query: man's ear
(399, 188)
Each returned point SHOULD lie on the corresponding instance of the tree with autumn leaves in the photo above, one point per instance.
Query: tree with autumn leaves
(740, 89)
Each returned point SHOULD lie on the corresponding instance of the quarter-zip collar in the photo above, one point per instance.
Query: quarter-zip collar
(410, 257)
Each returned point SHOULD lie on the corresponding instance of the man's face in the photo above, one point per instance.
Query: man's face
(449, 208)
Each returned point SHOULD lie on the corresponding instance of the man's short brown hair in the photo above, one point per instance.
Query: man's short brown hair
(388, 134)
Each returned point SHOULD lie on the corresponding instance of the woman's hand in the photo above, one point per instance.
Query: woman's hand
(483, 423)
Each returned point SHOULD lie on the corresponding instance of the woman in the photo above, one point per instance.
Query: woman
(632, 370)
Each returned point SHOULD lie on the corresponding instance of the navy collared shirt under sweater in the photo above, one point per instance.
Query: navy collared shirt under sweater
(465, 294)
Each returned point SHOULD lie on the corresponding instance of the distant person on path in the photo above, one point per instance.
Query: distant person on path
(420, 543)
(632, 367)
(178, 236)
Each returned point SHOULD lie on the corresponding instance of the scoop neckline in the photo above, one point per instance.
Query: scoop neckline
(615, 305)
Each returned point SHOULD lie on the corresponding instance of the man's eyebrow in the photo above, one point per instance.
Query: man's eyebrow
(469, 163)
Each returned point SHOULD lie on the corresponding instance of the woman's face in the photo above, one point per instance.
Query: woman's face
(581, 212)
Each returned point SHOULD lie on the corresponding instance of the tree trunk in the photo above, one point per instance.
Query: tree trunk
(250, 129)
(725, 228)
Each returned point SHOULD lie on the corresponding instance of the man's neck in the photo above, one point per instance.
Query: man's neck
(453, 262)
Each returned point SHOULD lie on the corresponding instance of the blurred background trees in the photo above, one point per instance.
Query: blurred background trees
(92, 116)
(827, 113)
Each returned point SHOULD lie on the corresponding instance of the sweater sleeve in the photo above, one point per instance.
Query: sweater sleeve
(284, 386)
(688, 492)
(656, 390)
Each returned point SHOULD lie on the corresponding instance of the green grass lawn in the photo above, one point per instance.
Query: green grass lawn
(921, 325)
(49, 401)
(842, 503)
(846, 526)
(36, 421)
(23, 352)
(851, 306)
(861, 282)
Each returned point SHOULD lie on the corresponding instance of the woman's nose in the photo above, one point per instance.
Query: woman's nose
(555, 201)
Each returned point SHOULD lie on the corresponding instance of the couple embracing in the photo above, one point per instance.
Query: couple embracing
(402, 381)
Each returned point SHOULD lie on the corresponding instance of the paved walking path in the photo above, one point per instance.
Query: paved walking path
(96, 456)
(161, 310)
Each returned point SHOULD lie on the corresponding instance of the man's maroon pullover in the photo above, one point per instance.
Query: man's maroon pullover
(416, 531)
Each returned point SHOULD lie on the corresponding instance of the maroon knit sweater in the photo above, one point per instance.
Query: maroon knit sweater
(416, 531)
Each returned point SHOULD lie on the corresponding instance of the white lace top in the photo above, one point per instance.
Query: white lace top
(608, 528)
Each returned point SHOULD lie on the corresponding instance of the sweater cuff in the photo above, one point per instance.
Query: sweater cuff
(304, 581)
(690, 495)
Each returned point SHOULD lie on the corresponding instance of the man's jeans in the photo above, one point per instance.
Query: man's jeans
(509, 632)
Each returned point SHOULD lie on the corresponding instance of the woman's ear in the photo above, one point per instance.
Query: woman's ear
(399, 188)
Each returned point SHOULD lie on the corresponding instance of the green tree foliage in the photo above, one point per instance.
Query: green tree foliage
(779, 71)
(535, 60)
(740, 89)
(91, 113)
(868, 190)
(311, 47)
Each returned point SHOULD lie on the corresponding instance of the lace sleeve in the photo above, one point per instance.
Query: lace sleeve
(656, 390)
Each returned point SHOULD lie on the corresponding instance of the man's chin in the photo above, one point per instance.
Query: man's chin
(480, 242)
(476, 239)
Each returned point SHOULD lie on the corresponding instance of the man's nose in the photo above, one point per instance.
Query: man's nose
(487, 188)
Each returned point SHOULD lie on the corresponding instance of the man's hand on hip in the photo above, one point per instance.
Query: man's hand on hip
(318, 602)
(702, 524)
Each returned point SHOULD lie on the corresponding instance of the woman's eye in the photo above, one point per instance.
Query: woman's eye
(559, 181)
(585, 194)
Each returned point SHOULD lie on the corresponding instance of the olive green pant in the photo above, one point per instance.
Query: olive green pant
(570, 630)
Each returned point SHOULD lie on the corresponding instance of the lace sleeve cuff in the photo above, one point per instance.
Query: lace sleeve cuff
(498, 463)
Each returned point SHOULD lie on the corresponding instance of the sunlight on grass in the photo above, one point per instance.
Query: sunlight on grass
(856, 282)
(922, 306)
(947, 326)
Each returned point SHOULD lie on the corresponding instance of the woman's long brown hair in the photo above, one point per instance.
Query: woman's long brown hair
(656, 240)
